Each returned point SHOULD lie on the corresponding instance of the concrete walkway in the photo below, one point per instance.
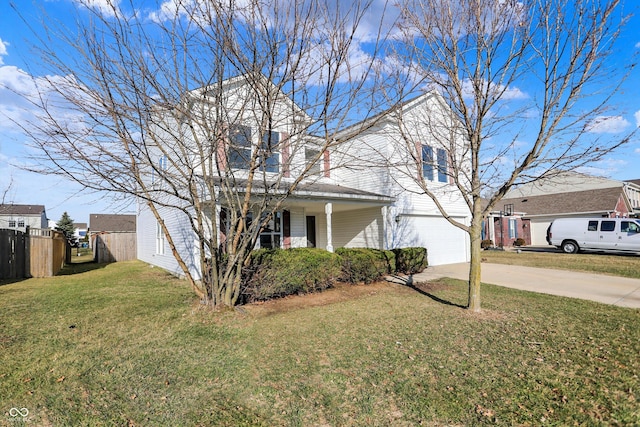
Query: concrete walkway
(620, 291)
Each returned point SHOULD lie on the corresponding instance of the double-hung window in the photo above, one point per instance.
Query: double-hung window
(442, 165)
(271, 233)
(513, 229)
(427, 162)
(239, 146)
(159, 239)
(12, 223)
(269, 156)
(312, 157)
(240, 149)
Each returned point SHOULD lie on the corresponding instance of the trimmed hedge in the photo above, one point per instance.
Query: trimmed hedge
(411, 260)
(365, 265)
(275, 273)
(487, 243)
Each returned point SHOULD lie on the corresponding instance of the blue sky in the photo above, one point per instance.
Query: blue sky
(18, 65)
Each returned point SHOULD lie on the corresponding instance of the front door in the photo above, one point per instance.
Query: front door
(311, 231)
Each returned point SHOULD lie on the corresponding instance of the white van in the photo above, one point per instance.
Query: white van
(595, 234)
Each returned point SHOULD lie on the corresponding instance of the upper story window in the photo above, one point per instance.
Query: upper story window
(240, 149)
(21, 222)
(312, 157)
(239, 146)
(269, 156)
(442, 165)
(162, 163)
(12, 223)
(427, 162)
(429, 165)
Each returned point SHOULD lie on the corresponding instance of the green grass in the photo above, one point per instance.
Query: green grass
(126, 344)
(625, 265)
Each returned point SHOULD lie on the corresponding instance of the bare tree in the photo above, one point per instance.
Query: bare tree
(475, 55)
(179, 109)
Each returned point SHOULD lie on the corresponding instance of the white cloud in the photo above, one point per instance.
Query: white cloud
(637, 151)
(3, 50)
(607, 124)
(105, 7)
(638, 45)
(637, 117)
(505, 93)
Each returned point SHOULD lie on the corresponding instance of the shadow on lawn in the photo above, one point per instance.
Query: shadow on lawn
(77, 268)
(67, 270)
(426, 288)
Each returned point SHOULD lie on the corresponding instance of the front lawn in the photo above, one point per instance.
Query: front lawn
(126, 344)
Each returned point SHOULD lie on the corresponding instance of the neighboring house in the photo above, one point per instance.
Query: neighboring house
(80, 231)
(359, 206)
(113, 237)
(632, 189)
(19, 217)
(527, 211)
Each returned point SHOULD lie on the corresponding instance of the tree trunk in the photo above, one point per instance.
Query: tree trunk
(475, 234)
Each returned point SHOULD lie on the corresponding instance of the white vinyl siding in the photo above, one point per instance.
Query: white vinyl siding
(358, 228)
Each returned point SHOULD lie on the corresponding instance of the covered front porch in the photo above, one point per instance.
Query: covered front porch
(328, 216)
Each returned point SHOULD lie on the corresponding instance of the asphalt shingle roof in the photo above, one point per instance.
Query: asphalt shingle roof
(597, 200)
(111, 222)
(21, 209)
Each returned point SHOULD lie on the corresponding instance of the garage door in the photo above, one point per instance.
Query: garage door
(539, 232)
(445, 243)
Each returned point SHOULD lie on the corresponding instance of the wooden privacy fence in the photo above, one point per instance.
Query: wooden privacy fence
(114, 246)
(13, 254)
(49, 251)
(34, 253)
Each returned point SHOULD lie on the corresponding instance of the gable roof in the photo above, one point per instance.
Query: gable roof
(111, 222)
(21, 209)
(588, 201)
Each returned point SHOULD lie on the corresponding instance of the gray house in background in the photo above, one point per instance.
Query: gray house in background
(534, 206)
(113, 237)
(19, 217)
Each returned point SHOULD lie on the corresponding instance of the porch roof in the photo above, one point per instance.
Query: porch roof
(316, 191)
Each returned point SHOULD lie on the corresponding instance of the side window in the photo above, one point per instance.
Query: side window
(427, 162)
(608, 226)
(629, 227)
(159, 239)
(593, 226)
(442, 165)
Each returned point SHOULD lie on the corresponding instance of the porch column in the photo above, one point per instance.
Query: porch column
(385, 231)
(328, 209)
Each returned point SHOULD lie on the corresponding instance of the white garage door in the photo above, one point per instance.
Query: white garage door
(445, 243)
(539, 232)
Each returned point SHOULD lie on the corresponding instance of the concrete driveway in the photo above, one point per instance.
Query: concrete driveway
(620, 291)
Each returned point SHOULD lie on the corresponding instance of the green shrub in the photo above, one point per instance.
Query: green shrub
(364, 264)
(275, 273)
(411, 260)
(485, 244)
(519, 242)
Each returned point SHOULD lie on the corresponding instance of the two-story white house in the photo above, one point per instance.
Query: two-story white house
(19, 217)
(351, 197)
